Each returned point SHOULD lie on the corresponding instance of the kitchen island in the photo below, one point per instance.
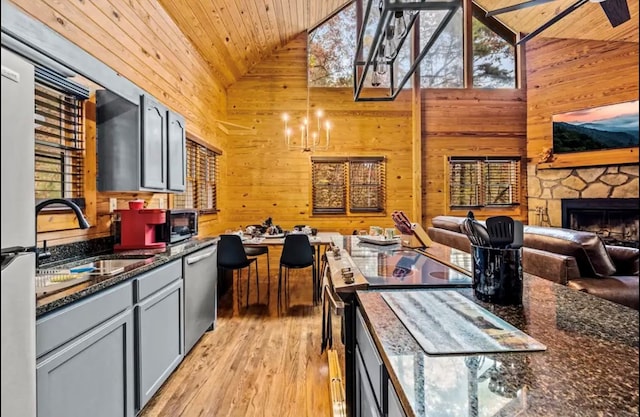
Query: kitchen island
(589, 368)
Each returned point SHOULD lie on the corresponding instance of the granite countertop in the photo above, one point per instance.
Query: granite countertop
(590, 367)
(150, 259)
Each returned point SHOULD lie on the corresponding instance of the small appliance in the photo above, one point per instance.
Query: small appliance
(138, 229)
(180, 225)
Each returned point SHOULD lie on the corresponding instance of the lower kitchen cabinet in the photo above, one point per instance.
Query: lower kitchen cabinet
(366, 404)
(372, 379)
(91, 375)
(159, 324)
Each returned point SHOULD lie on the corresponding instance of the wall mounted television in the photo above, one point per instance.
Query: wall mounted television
(613, 126)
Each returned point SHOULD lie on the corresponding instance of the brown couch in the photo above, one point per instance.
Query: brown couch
(577, 259)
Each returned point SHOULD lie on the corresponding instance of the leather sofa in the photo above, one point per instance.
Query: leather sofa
(574, 258)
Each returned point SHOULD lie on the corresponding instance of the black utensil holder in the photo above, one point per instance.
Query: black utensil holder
(497, 275)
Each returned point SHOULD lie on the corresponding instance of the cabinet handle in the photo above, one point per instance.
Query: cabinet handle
(194, 259)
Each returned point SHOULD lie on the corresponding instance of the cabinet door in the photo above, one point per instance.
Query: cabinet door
(154, 144)
(366, 403)
(92, 376)
(394, 405)
(159, 337)
(177, 157)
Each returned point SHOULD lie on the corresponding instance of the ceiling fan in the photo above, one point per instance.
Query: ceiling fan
(617, 12)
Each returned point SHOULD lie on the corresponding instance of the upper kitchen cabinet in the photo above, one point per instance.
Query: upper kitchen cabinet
(177, 140)
(141, 146)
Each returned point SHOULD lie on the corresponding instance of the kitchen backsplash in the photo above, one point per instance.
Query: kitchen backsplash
(78, 250)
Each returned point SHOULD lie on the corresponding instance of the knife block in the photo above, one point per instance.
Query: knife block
(410, 241)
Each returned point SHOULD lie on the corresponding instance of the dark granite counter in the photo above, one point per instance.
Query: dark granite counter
(590, 367)
(149, 259)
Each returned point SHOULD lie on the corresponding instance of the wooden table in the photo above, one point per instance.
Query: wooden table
(318, 241)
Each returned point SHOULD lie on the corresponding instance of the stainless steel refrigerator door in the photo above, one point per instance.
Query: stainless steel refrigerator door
(18, 337)
(18, 196)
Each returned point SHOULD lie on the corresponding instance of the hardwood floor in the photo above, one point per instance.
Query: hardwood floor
(256, 362)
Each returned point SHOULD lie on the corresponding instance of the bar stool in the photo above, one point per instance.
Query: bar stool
(255, 251)
(231, 255)
(297, 253)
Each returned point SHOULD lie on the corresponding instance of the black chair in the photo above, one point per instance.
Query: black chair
(231, 256)
(297, 253)
(254, 252)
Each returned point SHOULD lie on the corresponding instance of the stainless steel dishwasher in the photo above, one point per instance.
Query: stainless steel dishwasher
(200, 293)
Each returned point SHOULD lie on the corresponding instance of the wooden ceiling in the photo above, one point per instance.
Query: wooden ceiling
(234, 35)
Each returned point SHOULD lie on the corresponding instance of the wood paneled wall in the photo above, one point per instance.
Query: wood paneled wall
(567, 74)
(264, 179)
(469, 122)
(141, 42)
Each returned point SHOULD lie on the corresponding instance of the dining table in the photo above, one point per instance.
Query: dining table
(318, 241)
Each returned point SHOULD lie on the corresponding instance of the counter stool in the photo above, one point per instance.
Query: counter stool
(231, 255)
(253, 252)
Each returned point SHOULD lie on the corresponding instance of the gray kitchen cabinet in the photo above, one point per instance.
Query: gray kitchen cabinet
(200, 293)
(154, 143)
(366, 403)
(140, 145)
(86, 358)
(394, 405)
(159, 328)
(177, 157)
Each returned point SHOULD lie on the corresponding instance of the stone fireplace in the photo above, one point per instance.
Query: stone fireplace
(547, 188)
(614, 219)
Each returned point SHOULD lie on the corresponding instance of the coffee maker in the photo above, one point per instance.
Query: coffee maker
(138, 229)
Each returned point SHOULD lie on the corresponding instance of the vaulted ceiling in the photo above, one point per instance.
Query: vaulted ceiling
(234, 35)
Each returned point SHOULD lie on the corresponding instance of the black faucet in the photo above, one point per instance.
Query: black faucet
(82, 222)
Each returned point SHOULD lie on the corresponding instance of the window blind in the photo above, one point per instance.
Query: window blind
(366, 184)
(483, 182)
(329, 185)
(202, 177)
(59, 144)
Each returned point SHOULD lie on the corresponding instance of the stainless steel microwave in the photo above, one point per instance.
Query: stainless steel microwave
(181, 224)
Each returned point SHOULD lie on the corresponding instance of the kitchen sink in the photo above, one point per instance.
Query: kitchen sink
(114, 264)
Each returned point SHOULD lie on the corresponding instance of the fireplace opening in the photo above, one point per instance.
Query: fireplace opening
(614, 219)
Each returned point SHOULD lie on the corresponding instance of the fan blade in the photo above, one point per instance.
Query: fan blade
(518, 6)
(617, 11)
(553, 20)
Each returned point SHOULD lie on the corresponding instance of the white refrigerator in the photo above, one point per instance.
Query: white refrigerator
(18, 239)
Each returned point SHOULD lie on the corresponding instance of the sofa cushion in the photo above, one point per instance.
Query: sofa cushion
(448, 223)
(588, 249)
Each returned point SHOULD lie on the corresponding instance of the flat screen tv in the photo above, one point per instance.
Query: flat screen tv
(607, 127)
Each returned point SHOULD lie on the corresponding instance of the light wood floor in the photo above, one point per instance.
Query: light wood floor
(256, 362)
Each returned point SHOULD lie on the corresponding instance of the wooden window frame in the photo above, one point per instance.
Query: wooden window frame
(59, 144)
(345, 190)
(483, 181)
(201, 192)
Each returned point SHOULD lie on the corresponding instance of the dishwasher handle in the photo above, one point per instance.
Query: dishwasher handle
(194, 259)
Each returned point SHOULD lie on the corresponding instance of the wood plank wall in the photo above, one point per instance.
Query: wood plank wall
(264, 179)
(141, 42)
(470, 122)
(565, 75)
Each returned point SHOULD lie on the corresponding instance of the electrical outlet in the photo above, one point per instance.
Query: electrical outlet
(162, 202)
(113, 204)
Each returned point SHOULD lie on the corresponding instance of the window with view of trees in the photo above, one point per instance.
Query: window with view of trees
(332, 49)
(202, 177)
(59, 137)
(494, 59)
(483, 182)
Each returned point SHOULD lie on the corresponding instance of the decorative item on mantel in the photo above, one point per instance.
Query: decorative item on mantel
(312, 138)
